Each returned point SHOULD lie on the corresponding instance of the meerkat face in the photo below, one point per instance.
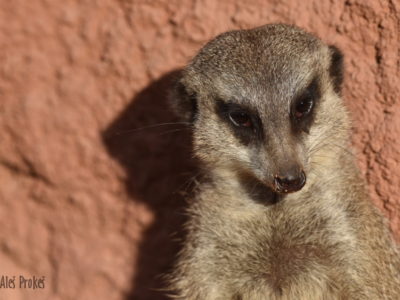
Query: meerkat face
(258, 101)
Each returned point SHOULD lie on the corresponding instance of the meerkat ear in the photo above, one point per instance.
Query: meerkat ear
(336, 69)
(183, 102)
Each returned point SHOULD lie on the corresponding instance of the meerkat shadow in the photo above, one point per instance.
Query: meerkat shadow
(155, 150)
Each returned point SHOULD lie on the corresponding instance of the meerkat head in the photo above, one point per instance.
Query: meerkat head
(260, 101)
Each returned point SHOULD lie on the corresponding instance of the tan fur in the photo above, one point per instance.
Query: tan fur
(325, 241)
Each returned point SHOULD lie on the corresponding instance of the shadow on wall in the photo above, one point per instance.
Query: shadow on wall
(158, 163)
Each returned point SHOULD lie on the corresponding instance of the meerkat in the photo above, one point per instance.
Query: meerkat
(283, 211)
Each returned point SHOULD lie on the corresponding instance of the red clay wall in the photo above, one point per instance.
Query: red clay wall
(95, 211)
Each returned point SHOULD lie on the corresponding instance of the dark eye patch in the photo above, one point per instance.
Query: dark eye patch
(303, 107)
(244, 122)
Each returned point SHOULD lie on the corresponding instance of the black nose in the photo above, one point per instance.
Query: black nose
(291, 181)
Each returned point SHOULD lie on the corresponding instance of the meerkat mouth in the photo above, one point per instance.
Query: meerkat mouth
(260, 191)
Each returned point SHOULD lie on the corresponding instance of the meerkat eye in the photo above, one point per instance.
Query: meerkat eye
(304, 104)
(240, 119)
(303, 107)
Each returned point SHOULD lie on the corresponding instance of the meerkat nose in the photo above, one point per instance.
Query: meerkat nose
(290, 181)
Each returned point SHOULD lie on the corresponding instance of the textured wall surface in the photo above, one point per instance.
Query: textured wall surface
(95, 206)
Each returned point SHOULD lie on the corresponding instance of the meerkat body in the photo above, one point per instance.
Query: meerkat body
(282, 212)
